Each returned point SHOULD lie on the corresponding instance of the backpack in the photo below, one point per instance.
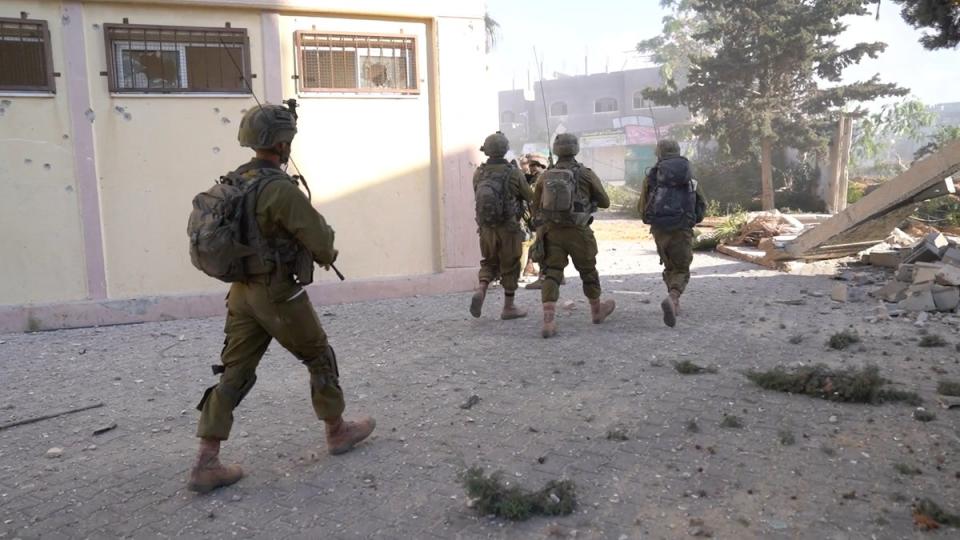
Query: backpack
(560, 200)
(494, 203)
(672, 202)
(220, 228)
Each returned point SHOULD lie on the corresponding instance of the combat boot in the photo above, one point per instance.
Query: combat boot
(538, 284)
(476, 303)
(510, 311)
(601, 310)
(671, 306)
(549, 320)
(209, 474)
(342, 435)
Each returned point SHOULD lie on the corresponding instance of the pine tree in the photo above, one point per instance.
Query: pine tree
(770, 74)
(943, 16)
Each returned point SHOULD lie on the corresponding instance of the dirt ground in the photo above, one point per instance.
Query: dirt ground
(798, 467)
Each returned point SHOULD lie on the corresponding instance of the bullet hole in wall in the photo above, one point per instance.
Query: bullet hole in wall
(91, 116)
(27, 161)
(216, 149)
(65, 136)
(68, 189)
(47, 166)
(224, 120)
(127, 116)
(216, 110)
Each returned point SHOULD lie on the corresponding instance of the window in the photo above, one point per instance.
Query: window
(558, 108)
(603, 105)
(26, 64)
(168, 59)
(506, 117)
(357, 63)
(638, 101)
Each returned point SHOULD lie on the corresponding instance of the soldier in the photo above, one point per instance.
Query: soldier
(500, 191)
(270, 302)
(565, 197)
(533, 164)
(671, 203)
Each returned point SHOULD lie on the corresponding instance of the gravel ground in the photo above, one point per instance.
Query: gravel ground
(545, 410)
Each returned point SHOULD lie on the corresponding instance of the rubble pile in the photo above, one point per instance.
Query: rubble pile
(926, 276)
(762, 225)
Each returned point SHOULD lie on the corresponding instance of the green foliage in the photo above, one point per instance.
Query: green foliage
(932, 340)
(949, 388)
(942, 16)
(854, 192)
(843, 339)
(846, 385)
(491, 496)
(922, 415)
(760, 70)
(940, 137)
(731, 421)
(686, 367)
(927, 507)
(876, 134)
(786, 437)
(622, 198)
(906, 470)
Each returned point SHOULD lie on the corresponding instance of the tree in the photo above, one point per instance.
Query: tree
(943, 16)
(878, 132)
(759, 81)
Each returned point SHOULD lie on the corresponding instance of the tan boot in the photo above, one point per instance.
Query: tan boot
(670, 306)
(511, 311)
(476, 303)
(601, 310)
(538, 284)
(208, 473)
(549, 320)
(342, 436)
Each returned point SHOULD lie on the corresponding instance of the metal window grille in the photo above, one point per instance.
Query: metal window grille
(606, 105)
(357, 63)
(173, 59)
(26, 63)
(638, 101)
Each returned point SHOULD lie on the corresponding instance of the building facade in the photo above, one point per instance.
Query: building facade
(618, 128)
(115, 113)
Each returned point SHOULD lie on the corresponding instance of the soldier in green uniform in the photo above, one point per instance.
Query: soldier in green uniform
(271, 303)
(671, 203)
(535, 163)
(566, 232)
(500, 191)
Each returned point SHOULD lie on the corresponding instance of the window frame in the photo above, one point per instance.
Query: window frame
(615, 101)
(413, 68)
(566, 108)
(51, 86)
(643, 101)
(113, 76)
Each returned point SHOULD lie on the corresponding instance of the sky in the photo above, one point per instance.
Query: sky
(605, 32)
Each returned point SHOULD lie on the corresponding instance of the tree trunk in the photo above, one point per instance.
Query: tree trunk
(766, 175)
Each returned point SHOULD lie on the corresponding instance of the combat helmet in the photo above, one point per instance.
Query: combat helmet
(566, 145)
(495, 145)
(667, 148)
(264, 126)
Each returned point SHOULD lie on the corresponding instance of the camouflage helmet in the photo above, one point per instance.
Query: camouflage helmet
(667, 148)
(566, 145)
(264, 126)
(495, 145)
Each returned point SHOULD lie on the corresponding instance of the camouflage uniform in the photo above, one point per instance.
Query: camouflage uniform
(501, 247)
(675, 247)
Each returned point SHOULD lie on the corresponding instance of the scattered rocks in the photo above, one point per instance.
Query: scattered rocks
(471, 401)
(55, 452)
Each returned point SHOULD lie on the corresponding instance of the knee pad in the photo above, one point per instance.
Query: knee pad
(232, 392)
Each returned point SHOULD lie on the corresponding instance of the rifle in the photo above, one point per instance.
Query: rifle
(292, 107)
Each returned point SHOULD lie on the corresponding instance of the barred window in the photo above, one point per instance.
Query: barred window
(605, 105)
(638, 101)
(357, 63)
(169, 59)
(26, 64)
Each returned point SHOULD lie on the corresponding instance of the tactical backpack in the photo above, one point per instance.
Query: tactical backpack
(494, 203)
(560, 200)
(672, 202)
(220, 226)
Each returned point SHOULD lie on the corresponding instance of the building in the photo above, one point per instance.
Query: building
(115, 113)
(617, 127)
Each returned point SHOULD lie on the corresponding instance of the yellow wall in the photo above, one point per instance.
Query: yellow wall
(368, 161)
(41, 254)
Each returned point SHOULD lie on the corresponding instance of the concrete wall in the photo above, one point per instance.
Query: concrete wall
(390, 173)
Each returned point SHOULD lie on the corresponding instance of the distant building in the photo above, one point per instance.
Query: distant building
(617, 126)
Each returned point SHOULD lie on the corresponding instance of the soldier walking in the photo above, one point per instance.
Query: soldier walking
(565, 197)
(500, 191)
(671, 203)
(268, 301)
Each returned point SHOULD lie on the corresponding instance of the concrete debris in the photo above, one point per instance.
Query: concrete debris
(839, 292)
(930, 249)
(55, 452)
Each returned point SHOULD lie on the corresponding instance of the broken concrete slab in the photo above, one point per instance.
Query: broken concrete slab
(748, 254)
(930, 249)
(905, 273)
(884, 259)
(839, 292)
(871, 219)
(948, 274)
(951, 256)
(945, 298)
(894, 291)
(924, 272)
(919, 300)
